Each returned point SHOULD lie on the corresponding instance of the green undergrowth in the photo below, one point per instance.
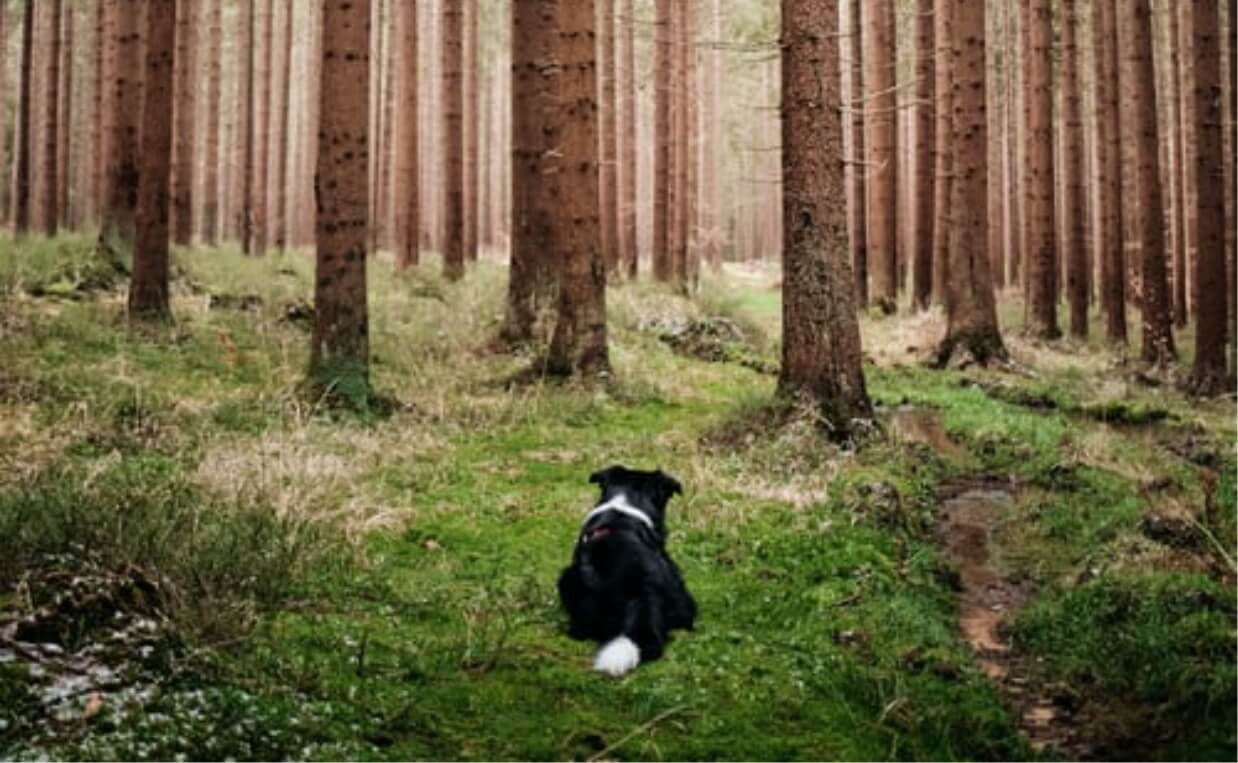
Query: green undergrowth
(383, 587)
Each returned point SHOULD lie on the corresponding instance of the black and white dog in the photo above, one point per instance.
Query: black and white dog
(622, 589)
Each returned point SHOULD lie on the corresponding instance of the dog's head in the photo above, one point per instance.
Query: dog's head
(647, 490)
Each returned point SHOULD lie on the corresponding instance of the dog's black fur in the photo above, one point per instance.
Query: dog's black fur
(621, 581)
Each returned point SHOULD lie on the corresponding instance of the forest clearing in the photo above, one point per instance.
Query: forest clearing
(320, 324)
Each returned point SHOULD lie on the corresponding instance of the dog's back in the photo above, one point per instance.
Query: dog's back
(622, 587)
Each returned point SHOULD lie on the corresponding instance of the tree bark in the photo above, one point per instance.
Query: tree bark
(65, 133)
(881, 109)
(1139, 110)
(579, 344)
(609, 181)
(407, 199)
(535, 163)
(339, 354)
(971, 310)
(51, 125)
(943, 160)
(22, 200)
(1075, 251)
(1039, 176)
(859, 169)
(1110, 172)
(214, 95)
(148, 288)
(926, 138)
(186, 92)
(1176, 169)
(663, 68)
(821, 353)
(1209, 374)
(630, 254)
(453, 144)
(283, 166)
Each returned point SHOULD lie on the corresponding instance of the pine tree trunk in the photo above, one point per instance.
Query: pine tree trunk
(881, 109)
(1014, 169)
(214, 95)
(148, 289)
(186, 92)
(663, 71)
(579, 344)
(50, 170)
(1176, 174)
(926, 138)
(1110, 172)
(1039, 177)
(22, 200)
(995, 60)
(971, 310)
(339, 353)
(1187, 153)
(858, 222)
(453, 144)
(65, 149)
(610, 187)
(1209, 374)
(821, 353)
(471, 122)
(628, 158)
(1074, 167)
(691, 132)
(283, 165)
(248, 142)
(407, 201)
(535, 163)
(262, 130)
(943, 160)
(1139, 110)
(679, 147)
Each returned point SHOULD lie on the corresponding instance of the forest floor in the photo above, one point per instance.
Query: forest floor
(199, 561)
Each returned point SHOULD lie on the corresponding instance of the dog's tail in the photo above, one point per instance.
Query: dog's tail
(618, 656)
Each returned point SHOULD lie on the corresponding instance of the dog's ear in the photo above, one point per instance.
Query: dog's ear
(669, 485)
(602, 476)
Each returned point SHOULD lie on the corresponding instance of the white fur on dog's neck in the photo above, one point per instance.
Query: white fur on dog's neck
(620, 504)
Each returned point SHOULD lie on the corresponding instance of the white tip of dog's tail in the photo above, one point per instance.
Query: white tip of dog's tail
(617, 657)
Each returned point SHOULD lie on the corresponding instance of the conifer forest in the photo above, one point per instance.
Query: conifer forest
(324, 325)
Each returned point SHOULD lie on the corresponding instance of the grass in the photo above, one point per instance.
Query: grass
(397, 572)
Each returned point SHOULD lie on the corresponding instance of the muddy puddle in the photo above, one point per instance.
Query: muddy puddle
(970, 512)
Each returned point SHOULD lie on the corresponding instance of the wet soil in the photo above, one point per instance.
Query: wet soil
(969, 514)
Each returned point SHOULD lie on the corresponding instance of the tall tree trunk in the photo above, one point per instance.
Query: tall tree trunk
(472, 120)
(1014, 169)
(1110, 174)
(663, 67)
(943, 160)
(858, 223)
(630, 235)
(249, 141)
(262, 131)
(881, 109)
(996, 61)
(65, 134)
(214, 95)
(926, 139)
(339, 353)
(1139, 110)
(627, 147)
(579, 344)
(22, 200)
(678, 151)
(407, 201)
(1176, 174)
(1074, 168)
(51, 137)
(453, 144)
(971, 310)
(609, 192)
(186, 100)
(1039, 180)
(1209, 374)
(535, 163)
(148, 289)
(283, 165)
(821, 353)
(691, 151)
(1187, 152)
